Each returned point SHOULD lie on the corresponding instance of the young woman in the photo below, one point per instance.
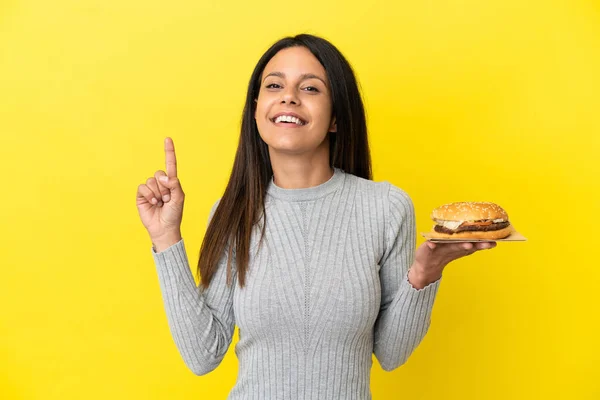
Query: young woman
(311, 259)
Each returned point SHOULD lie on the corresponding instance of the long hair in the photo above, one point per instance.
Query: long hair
(242, 204)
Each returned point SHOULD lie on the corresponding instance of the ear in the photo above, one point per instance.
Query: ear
(333, 125)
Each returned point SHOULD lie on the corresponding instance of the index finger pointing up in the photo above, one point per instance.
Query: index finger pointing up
(170, 158)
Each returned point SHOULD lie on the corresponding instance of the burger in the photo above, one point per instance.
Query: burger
(470, 220)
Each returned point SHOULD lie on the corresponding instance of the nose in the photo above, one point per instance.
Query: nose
(289, 96)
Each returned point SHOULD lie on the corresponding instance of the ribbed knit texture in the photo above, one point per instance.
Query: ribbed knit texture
(327, 289)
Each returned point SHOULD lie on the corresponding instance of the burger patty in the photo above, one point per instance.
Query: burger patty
(479, 228)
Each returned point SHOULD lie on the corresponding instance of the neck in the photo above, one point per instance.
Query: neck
(301, 175)
(298, 172)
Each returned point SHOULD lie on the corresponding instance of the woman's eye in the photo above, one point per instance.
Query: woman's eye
(311, 89)
(273, 86)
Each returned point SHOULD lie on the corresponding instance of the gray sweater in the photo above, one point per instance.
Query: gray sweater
(327, 288)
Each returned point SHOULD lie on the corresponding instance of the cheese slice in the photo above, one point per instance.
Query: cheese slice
(449, 224)
(455, 224)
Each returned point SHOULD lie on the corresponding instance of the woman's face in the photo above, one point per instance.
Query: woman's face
(293, 109)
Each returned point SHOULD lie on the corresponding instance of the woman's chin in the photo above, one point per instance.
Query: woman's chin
(292, 144)
(290, 149)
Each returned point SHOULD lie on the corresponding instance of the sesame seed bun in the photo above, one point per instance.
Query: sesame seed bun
(469, 211)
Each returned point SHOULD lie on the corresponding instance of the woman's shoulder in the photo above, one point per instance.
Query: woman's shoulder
(380, 190)
(383, 198)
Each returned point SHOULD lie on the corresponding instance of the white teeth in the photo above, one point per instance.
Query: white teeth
(288, 118)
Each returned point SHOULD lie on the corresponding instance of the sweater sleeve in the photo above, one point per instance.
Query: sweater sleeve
(201, 321)
(405, 312)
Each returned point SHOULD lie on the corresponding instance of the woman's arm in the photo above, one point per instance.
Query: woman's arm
(201, 321)
(405, 311)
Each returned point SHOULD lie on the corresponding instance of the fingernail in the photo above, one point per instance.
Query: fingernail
(153, 201)
(164, 178)
(166, 198)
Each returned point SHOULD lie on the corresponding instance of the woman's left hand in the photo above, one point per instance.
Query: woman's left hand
(431, 258)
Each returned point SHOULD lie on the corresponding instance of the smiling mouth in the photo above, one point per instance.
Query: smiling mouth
(288, 120)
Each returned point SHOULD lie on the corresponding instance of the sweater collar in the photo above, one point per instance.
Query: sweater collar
(309, 193)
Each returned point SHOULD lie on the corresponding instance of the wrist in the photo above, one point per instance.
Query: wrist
(165, 241)
(419, 277)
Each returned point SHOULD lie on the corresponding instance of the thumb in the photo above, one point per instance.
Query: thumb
(172, 183)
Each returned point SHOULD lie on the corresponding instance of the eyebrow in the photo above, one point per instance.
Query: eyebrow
(302, 77)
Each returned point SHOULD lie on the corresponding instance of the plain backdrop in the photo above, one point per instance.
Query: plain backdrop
(467, 100)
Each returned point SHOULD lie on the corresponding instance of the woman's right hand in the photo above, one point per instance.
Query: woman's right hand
(160, 202)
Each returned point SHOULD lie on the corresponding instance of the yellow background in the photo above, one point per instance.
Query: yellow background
(467, 100)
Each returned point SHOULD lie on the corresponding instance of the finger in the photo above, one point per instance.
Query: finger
(151, 183)
(485, 245)
(144, 193)
(165, 193)
(174, 186)
(449, 248)
(431, 245)
(170, 158)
